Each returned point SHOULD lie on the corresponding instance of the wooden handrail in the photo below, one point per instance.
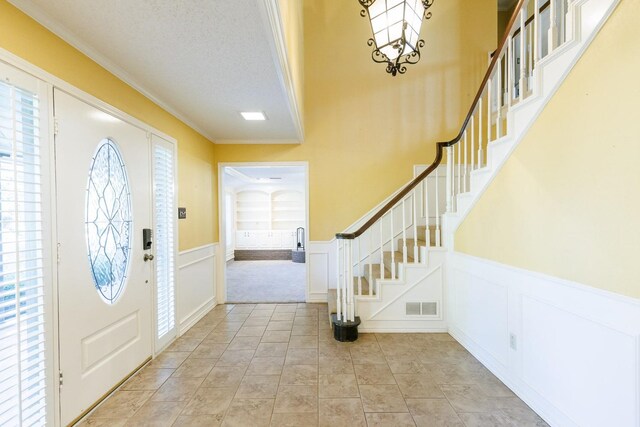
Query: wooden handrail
(440, 146)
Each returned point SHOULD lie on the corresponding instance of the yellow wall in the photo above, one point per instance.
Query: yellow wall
(567, 202)
(364, 130)
(24, 37)
(503, 20)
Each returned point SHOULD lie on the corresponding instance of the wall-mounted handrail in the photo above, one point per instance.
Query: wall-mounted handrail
(440, 146)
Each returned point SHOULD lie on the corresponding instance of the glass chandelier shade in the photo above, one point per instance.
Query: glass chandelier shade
(395, 25)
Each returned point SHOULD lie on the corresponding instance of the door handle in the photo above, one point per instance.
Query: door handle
(148, 257)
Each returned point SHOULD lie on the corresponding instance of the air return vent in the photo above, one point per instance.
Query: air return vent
(422, 308)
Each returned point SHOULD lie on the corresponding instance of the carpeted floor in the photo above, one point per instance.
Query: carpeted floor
(265, 281)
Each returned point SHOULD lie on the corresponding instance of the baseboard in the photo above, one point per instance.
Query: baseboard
(570, 351)
(403, 330)
(319, 297)
(196, 315)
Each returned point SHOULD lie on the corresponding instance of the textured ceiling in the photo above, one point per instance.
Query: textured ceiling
(205, 60)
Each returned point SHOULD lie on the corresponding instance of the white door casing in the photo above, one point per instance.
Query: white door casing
(100, 343)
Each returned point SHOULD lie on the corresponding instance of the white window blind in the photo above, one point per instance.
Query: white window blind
(164, 236)
(22, 320)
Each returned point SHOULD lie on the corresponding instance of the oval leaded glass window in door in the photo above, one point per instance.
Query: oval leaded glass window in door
(108, 221)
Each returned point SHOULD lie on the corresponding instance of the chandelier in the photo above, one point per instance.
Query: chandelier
(396, 31)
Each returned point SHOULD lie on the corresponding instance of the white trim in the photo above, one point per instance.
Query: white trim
(197, 249)
(204, 258)
(591, 335)
(43, 19)
(270, 11)
(195, 316)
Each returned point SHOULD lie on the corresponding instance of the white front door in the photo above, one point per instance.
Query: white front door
(103, 182)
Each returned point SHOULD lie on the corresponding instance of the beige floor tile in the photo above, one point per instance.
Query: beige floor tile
(447, 373)
(266, 366)
(367, 356)
(256, 321)
(267, 306)
(468, 398)
(302, 356)
(122, 404)
(102, 422)
(382, 398)
(198, 332)
(303, 341)
(210, 401)
(231, 325)
(340, 412)
(235, 358)
(251, 331)
(184, 344)
(304, 330)
(224, 376)
(307, 312)
(406, 366)
(197, 421)
(272, 349)
(244, 343)
(223, 337)
(237, 317)
(305, 321)
(147, 379)
(195, 368)
(280, 325)
(299, 375)
(276, 336)
(433, 413)
(208, 350)
(258, 387)
(524, 417)
(374, 374)
(296, 399)
(156, 414)
(337, 385)
(243, 308)
(169, 359)
(416, 386)
(249, 412)
(485, 419)
(328, 365)
(286, 308)
(495, 388)
(283, 316)
(177, 389)
(334, 350)
(389, 420)
(294, 420)
(261, 313)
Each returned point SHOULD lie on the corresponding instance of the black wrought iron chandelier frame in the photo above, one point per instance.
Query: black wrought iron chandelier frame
(398, 65)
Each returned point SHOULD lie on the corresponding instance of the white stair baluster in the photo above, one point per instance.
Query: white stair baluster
(523, 55)
(393, 250)
(350, 308)
(448, 189)
(473, 142)
(537, 37)
(489, 109)
(370, 261)
(480, 134)
(346, 281)
(500, 99)
(381, 250)
(427, 232)
(404, 233)
(437, 209)
(459, 145)
(510, 71)
(553, 30)
(465, 160)
(357, 242)
(339, 282)
(415, 225)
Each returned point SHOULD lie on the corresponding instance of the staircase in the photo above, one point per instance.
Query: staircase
(391, 264)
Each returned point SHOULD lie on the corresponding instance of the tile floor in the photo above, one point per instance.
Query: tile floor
(278, 365)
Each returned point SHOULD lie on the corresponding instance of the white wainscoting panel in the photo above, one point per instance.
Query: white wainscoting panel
(568, 350)
(196, 285)
(321, 269)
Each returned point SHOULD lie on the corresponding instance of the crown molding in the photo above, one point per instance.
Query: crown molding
(61, 31)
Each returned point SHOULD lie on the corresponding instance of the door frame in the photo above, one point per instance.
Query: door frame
(221, 267)
(52, 82)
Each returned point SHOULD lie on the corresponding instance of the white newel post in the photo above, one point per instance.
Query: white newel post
(339, 282)
(449, 179)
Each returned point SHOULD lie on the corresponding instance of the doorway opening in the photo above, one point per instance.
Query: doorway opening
(264, 217)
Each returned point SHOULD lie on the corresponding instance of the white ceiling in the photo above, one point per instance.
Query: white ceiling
(203, 60)
(242, 176)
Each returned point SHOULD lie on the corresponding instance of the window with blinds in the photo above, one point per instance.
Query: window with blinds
(164, 234)
(22, 292)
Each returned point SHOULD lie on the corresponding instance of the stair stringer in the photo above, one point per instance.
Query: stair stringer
(588, 17)
(421, 282)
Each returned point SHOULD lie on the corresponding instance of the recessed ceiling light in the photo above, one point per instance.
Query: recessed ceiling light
(253, 115)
